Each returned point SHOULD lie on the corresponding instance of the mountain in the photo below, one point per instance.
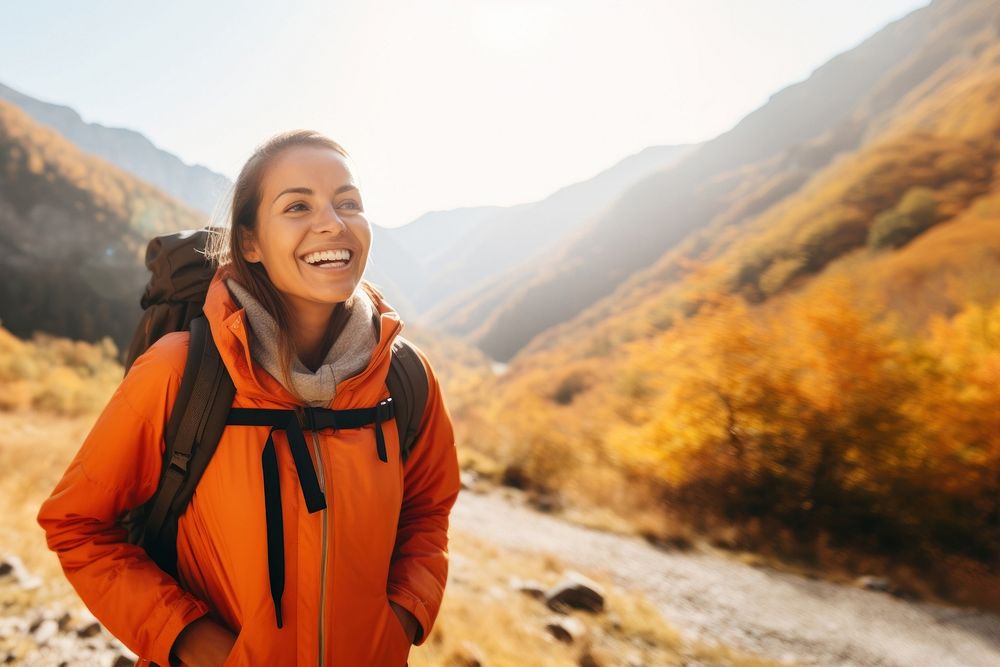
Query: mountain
(195, 185)
(768, 155)
(436, 236)
(73, 233)
(502, 239)
(923, 143)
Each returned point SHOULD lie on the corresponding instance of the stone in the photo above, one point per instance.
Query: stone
(547, 502)
(466, 654)
(873, 583)
(565, 629)
(529, 587)
(89, 630)
(45, 631)
(577, 592)
(469, 478)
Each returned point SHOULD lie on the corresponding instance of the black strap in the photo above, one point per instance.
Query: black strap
(286, 420)
(313, 419)
(194, 429)
(408, 384)
(275, 524)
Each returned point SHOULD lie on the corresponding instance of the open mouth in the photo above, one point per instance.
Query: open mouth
(329, 260)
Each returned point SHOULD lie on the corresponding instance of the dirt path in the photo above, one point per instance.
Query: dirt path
(783, 616)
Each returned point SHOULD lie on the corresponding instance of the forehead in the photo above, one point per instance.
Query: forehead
(310, 166)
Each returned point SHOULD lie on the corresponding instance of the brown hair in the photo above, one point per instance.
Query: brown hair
(239, 219)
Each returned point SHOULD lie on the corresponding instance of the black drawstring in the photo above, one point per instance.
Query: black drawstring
(313, 419)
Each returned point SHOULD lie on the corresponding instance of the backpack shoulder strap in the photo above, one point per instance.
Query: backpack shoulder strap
(192, 434)
(407, 381)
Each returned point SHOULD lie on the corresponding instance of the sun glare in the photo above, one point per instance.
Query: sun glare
(511, 25)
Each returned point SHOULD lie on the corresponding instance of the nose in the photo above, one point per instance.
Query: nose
(329, 220)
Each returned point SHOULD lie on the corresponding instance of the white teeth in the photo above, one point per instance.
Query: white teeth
(328, 256)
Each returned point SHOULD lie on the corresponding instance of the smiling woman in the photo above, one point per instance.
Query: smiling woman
(309, 204)
(362, 546)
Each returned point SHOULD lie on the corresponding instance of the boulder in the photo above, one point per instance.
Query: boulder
(575, 591)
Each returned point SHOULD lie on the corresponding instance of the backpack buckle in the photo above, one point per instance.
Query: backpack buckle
(179, 462)
(305, 417)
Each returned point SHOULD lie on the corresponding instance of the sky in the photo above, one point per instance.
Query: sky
(441, 103)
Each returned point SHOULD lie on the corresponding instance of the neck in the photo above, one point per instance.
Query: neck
(315, 330)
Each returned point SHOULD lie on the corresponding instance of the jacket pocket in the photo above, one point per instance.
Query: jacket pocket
(236, 655)
(398, 644)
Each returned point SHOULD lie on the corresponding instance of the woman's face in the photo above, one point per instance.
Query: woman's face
(310, 203)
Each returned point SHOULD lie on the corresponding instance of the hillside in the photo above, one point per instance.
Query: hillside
(934, 161)
(769, 155)
(73, 233)
(497, 247)
(195, 185)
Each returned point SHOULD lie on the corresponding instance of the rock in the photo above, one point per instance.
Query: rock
(674, 542)
(11, 566)
(89, 630)
(575, 591)
(565, 629)
(634, 659)
(122, 661)
(466, 655)
(873, 583)
(469, 478)
(545, 501)
(529, 587)
(45, 631)
(514, 476)
(64, 620)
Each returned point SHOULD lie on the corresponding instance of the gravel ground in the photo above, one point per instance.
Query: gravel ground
(712, 598)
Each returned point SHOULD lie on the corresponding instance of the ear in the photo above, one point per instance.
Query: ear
(248, 246)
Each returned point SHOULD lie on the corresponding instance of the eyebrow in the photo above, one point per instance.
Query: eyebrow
(308, 191)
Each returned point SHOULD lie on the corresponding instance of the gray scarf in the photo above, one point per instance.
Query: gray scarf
(348, 356)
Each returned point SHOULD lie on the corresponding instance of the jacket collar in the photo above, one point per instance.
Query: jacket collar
(228, 323)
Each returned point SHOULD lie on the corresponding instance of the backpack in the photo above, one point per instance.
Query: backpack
(172, 301)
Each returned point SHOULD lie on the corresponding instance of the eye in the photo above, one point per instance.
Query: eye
(292, 207)
(351, 201)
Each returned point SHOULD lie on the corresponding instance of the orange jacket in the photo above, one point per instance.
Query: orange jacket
(383, 536)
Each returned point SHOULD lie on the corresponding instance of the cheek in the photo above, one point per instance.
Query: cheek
(363, 231)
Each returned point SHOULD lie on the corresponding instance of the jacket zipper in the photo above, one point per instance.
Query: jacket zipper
(322, 581)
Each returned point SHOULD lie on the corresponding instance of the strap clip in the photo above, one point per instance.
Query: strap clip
(179, 462)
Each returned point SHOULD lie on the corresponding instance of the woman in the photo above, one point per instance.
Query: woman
(295, 325)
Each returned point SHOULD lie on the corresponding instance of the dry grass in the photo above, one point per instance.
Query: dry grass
(57, 375)
(36, 450)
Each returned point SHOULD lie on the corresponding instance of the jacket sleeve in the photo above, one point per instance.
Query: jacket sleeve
(419, 568)
(118, 468)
